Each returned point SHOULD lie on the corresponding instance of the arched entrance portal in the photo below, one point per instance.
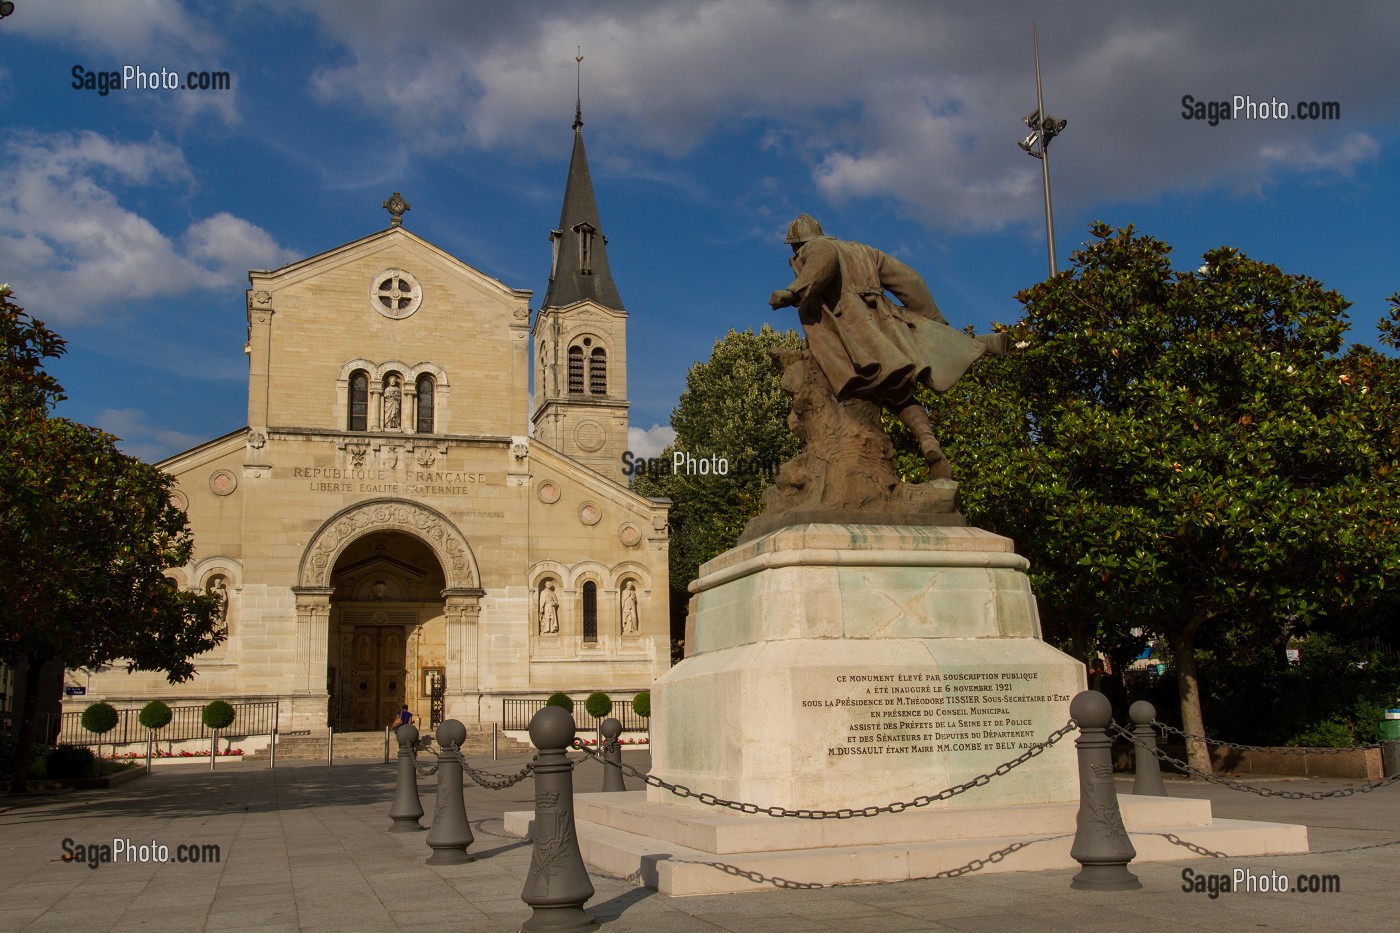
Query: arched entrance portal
(387, 630)
(376, 576)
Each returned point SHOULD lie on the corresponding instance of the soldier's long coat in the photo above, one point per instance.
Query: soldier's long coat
(867, 346)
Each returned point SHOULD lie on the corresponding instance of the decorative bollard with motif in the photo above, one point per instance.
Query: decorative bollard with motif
(407, 806)
(557, 886)
(1101, 843)
(1148, 782)
(612, 757)
(450, 835)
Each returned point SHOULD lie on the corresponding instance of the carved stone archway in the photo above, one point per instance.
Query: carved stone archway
(315, 586)
(429, 525)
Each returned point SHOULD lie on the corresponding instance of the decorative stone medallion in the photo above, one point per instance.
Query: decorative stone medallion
(589, 513)
(179, 500)
(395, 294)
(589, 436)
(222, 482)
(629, 534)
(548, 492)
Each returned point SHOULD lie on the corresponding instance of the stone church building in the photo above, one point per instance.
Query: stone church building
(388, 523)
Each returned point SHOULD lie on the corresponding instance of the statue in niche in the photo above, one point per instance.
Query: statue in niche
(218, 588)
(549, 610)
(393, 403)
(630, 623)
(864, 352)
(379, 590)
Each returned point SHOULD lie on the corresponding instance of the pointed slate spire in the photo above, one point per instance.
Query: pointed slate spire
(580, 270)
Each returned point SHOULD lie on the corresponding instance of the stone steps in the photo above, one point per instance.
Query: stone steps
(368, 746)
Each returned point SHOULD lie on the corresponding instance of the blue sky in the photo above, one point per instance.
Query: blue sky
(128, 221)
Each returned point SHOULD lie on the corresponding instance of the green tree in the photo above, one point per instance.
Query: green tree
(733, 407)
(1180, 452)
(88, 533)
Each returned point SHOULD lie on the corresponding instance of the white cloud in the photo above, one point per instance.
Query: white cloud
(141, 439)
(72, 248)
(908, 101)
(651, 441)
(1335, 155)
(125, 28)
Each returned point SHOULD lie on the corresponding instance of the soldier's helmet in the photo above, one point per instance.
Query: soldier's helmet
(804, 228)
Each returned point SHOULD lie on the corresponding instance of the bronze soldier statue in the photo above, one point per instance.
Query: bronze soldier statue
(866, 345)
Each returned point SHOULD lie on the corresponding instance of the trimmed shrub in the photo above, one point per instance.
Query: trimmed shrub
(562, 701)
(100, 718)
(71, 761)
(154, 715)
(39, 761)
(598, 705)
(218, 715)
(641, 704)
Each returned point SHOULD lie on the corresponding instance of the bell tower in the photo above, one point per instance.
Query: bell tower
(580, 335)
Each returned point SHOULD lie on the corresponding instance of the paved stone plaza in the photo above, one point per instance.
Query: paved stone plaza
(307, 848)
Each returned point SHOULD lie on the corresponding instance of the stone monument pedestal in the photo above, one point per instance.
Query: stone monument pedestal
(845, 666)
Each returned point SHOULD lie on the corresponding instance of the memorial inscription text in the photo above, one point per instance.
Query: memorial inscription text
(969, 711)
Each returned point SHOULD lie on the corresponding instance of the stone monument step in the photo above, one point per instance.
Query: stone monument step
(1041, 841)
(724, 832)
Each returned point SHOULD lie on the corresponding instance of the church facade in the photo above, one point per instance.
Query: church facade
(385, 529)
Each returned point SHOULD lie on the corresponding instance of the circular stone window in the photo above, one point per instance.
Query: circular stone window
(222, 482)
(395, 294)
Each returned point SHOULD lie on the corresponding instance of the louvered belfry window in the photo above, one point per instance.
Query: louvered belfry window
(576, 370)
(598, 372)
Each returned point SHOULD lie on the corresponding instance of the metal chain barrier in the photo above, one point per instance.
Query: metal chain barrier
(492, 781)
(1280, 750)
(710, 800)
(1122, 733)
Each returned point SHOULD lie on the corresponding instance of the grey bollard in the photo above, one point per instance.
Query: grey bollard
(407, 807)
(1101, 843)
(557, 886)
(612, 757)
(451, 834)
(1148, 782)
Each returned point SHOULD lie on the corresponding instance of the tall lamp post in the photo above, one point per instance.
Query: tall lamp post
(1044, 128)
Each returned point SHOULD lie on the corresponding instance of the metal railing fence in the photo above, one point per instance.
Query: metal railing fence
(516, 713)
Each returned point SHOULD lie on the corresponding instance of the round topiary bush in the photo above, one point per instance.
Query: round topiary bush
(39, 761)
(598, 705)
(71, 761)
(154, 715)
(562, 701)
(641, 704)
(100, 718)
(218, 715)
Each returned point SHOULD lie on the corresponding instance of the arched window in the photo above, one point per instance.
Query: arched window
(590, 612)
(576, 370)
(358, 408)
(598, 372)
(425, 404)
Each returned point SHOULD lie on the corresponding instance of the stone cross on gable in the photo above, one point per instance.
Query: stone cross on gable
(397, 207)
